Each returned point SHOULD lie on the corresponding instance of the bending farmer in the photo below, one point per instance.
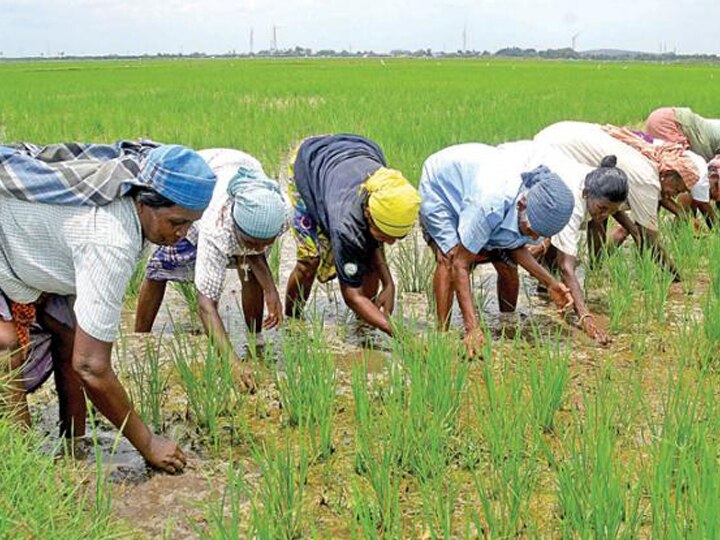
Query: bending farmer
(74, 221)
(347, 205)
(477, 207)
(246, 214)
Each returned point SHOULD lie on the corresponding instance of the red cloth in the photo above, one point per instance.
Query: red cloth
(23, 316)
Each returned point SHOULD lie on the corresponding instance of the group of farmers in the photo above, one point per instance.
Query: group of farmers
(74, 219)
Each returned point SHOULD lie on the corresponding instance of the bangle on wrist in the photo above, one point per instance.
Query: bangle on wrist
(587, 315)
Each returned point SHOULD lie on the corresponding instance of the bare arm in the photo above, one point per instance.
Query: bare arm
(672, 207)
(443, 289)
(91, 361)
(460, 261)
(708, 212)
(214, 326)
(385, 300)
(559, 293)
(567, 268)
(628, 224)
(365, 308)
(261, 271)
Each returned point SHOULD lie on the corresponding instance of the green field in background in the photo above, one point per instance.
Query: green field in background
(411, 107)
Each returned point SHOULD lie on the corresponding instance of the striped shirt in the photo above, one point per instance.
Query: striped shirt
(88, 252)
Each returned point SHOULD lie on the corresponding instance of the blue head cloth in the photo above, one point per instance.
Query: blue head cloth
(259, 208)
(549, 201)
(179, 174)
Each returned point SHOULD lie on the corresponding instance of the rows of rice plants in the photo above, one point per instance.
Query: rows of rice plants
(214, 398)
(307, 386)
(539, 439)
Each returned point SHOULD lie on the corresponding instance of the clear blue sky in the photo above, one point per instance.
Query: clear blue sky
(31, 27)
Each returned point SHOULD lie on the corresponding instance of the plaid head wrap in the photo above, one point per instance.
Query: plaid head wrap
(96, 174)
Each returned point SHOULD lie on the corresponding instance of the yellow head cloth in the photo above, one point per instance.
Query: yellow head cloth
(394, 203)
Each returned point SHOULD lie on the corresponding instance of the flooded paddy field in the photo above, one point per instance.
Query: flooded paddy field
(353, 434)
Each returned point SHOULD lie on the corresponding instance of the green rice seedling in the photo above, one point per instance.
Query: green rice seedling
(413, 264)
(506, 485)
(277, 503)
(439, 497)
(308, 385)
(686, 252)
(501, 407)
(654, 282)
(208, 379)
(225, 515)
(45, 497)
(595, 494)
(435, 378)
(103, 490)
(149, 383)
(619, 290)
(364, 518)
(711, 320)
(379, 444)
(684, 477)
(713, 253)
(189, 294)
(548, 372)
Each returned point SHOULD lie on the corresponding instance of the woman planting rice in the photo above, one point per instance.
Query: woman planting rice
(347, 205)
(598, 193)
(478, 206)
(655, 173)
(683, 126)
(246, 214)
(75, 218)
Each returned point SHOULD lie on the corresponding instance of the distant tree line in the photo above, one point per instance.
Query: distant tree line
(507, 52)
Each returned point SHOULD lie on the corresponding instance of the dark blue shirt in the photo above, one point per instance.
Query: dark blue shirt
(329, 173)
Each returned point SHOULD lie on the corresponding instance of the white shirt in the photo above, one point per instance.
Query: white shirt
(89, 252)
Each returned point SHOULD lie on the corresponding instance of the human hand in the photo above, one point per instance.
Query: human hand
(275, 310)
(561, 296)
(474, 341)
(593, 331)
(165, 455)
(385, 301)
(244, 375)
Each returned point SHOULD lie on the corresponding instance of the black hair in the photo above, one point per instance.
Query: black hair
(607, 181)
(149, 197)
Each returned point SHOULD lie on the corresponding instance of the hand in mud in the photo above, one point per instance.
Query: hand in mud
(165, 455)
(594, 331)
(561, 296)
(385, 301)
(474, 341)
(275, 311)
(245, 376)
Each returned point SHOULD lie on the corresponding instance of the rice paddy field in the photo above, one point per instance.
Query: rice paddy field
(353, 435)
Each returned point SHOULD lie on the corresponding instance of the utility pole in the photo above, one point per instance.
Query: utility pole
(274, 42)
(464, 37)
(252, 36)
